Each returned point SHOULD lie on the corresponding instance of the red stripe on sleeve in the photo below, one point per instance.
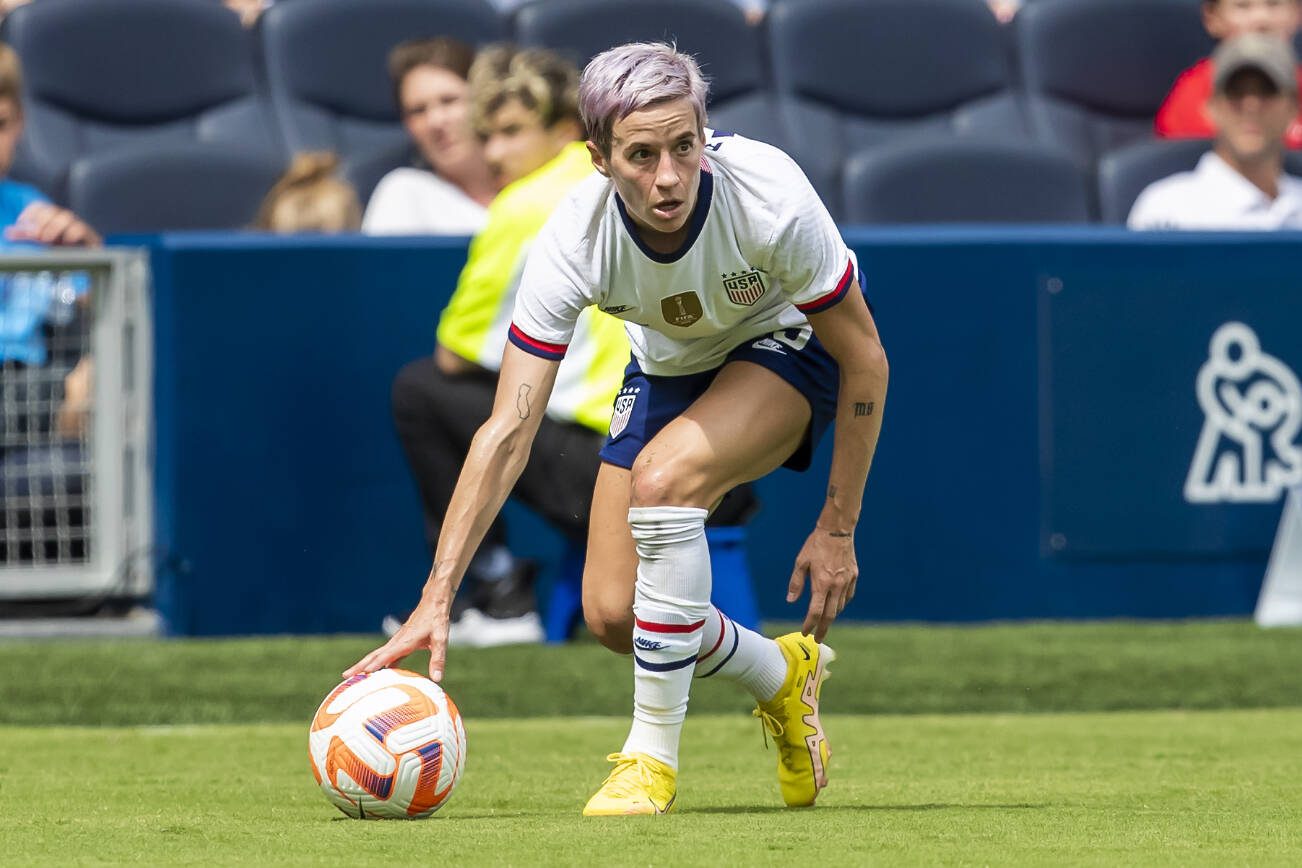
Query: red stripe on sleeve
(543, 348)
(832, 297)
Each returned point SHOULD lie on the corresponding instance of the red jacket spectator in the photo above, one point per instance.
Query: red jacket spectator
(1184, 113)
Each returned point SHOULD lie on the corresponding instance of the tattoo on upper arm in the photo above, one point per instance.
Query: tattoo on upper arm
(522, 401)
(864, 408)
(831, 492)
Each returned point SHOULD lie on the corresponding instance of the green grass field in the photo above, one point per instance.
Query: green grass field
(1166, 744)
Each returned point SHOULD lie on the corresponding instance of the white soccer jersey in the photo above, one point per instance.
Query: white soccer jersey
(761, 252)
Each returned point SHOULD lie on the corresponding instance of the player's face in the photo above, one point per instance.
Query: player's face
(11, 129)
(436, 113)
(655, 163)
(1252, 115)
(1226, 19)
(516, 143)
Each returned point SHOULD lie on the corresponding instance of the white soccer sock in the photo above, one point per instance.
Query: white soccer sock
(744, 656)
(670, 605)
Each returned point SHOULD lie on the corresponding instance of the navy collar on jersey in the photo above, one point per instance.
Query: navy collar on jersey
(704, 193)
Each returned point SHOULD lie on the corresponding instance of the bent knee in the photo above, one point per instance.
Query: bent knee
(611, 625)
(667, 483)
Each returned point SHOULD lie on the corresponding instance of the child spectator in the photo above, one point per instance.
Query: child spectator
(34, 372)
(1184, 113)
(311, 197)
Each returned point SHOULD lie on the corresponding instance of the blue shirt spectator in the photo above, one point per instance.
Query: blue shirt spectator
(28, 300)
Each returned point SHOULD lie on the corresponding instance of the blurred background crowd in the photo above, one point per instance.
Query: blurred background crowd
(183, 114)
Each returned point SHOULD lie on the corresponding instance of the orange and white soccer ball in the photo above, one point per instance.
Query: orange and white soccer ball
(387, 744)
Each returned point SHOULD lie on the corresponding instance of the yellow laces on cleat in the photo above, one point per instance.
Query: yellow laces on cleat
(769, 725)
(639, 784)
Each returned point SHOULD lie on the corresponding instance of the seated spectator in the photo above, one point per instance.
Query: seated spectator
(311, 197)
(1184, 114)
(1240, 183)
(526, 109)
(40, 330)
(448, 190)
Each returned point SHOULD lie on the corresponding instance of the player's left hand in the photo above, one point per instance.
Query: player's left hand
(833, 572)
(45, 223)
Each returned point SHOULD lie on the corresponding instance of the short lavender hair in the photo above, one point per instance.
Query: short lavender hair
(626, 78)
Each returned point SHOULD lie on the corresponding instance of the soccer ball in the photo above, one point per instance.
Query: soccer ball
(387, 744)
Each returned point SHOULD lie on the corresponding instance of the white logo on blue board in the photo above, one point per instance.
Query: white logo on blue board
(1248, 450)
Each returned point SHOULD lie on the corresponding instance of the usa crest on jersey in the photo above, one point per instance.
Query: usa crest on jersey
(744, 288)
(623, 410)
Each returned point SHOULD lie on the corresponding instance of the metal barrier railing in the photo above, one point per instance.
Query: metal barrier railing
(75, 425)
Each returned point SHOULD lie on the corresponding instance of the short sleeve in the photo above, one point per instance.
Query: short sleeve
(552, 294)
(1148, 212)
(809, 256)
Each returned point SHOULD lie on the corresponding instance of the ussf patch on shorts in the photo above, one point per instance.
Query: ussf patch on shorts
(624, 403)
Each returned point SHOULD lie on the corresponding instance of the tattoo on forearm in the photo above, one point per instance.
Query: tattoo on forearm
(864, 408)
(838, 533)
(831, 492)
(522, 401)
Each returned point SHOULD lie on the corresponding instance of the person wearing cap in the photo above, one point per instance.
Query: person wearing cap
(1183, 114)
(1240, 183)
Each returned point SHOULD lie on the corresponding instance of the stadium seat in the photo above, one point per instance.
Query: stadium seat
(714, 31)
(171, 187)
(854, 73)
(1096, 71)
(130, 73)
(1125, 172)
(327, 66)
(964, 181)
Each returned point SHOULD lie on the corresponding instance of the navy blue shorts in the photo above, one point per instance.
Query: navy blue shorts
(646, 403)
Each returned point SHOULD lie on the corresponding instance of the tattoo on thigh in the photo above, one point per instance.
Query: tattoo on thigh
(864, 408)
(522, 401)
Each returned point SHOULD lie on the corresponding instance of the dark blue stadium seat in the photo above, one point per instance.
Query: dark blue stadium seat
(130, 73)
(1125, 172)
(853, 73)
(186, 186)
(1096, 71)
(328, 72)
(950, 180)
(714, 31)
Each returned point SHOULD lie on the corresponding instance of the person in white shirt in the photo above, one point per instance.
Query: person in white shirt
(750, 337)
(449, 195)
(1240, 183)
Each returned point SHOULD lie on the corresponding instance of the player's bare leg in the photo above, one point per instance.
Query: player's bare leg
(746, 424)
(610, 568)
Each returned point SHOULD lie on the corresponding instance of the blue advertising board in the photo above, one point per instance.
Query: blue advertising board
(1043, 418)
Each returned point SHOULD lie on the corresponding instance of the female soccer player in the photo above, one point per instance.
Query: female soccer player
(750, 336)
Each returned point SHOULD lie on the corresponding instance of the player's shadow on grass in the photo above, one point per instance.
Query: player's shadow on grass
(931, 806)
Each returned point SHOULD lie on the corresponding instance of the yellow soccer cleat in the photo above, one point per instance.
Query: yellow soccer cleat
(640, 784)
(792, 719)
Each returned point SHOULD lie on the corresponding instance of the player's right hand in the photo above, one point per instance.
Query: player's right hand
(427, 627)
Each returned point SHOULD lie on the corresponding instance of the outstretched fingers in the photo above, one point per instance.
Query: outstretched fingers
(386, 655)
